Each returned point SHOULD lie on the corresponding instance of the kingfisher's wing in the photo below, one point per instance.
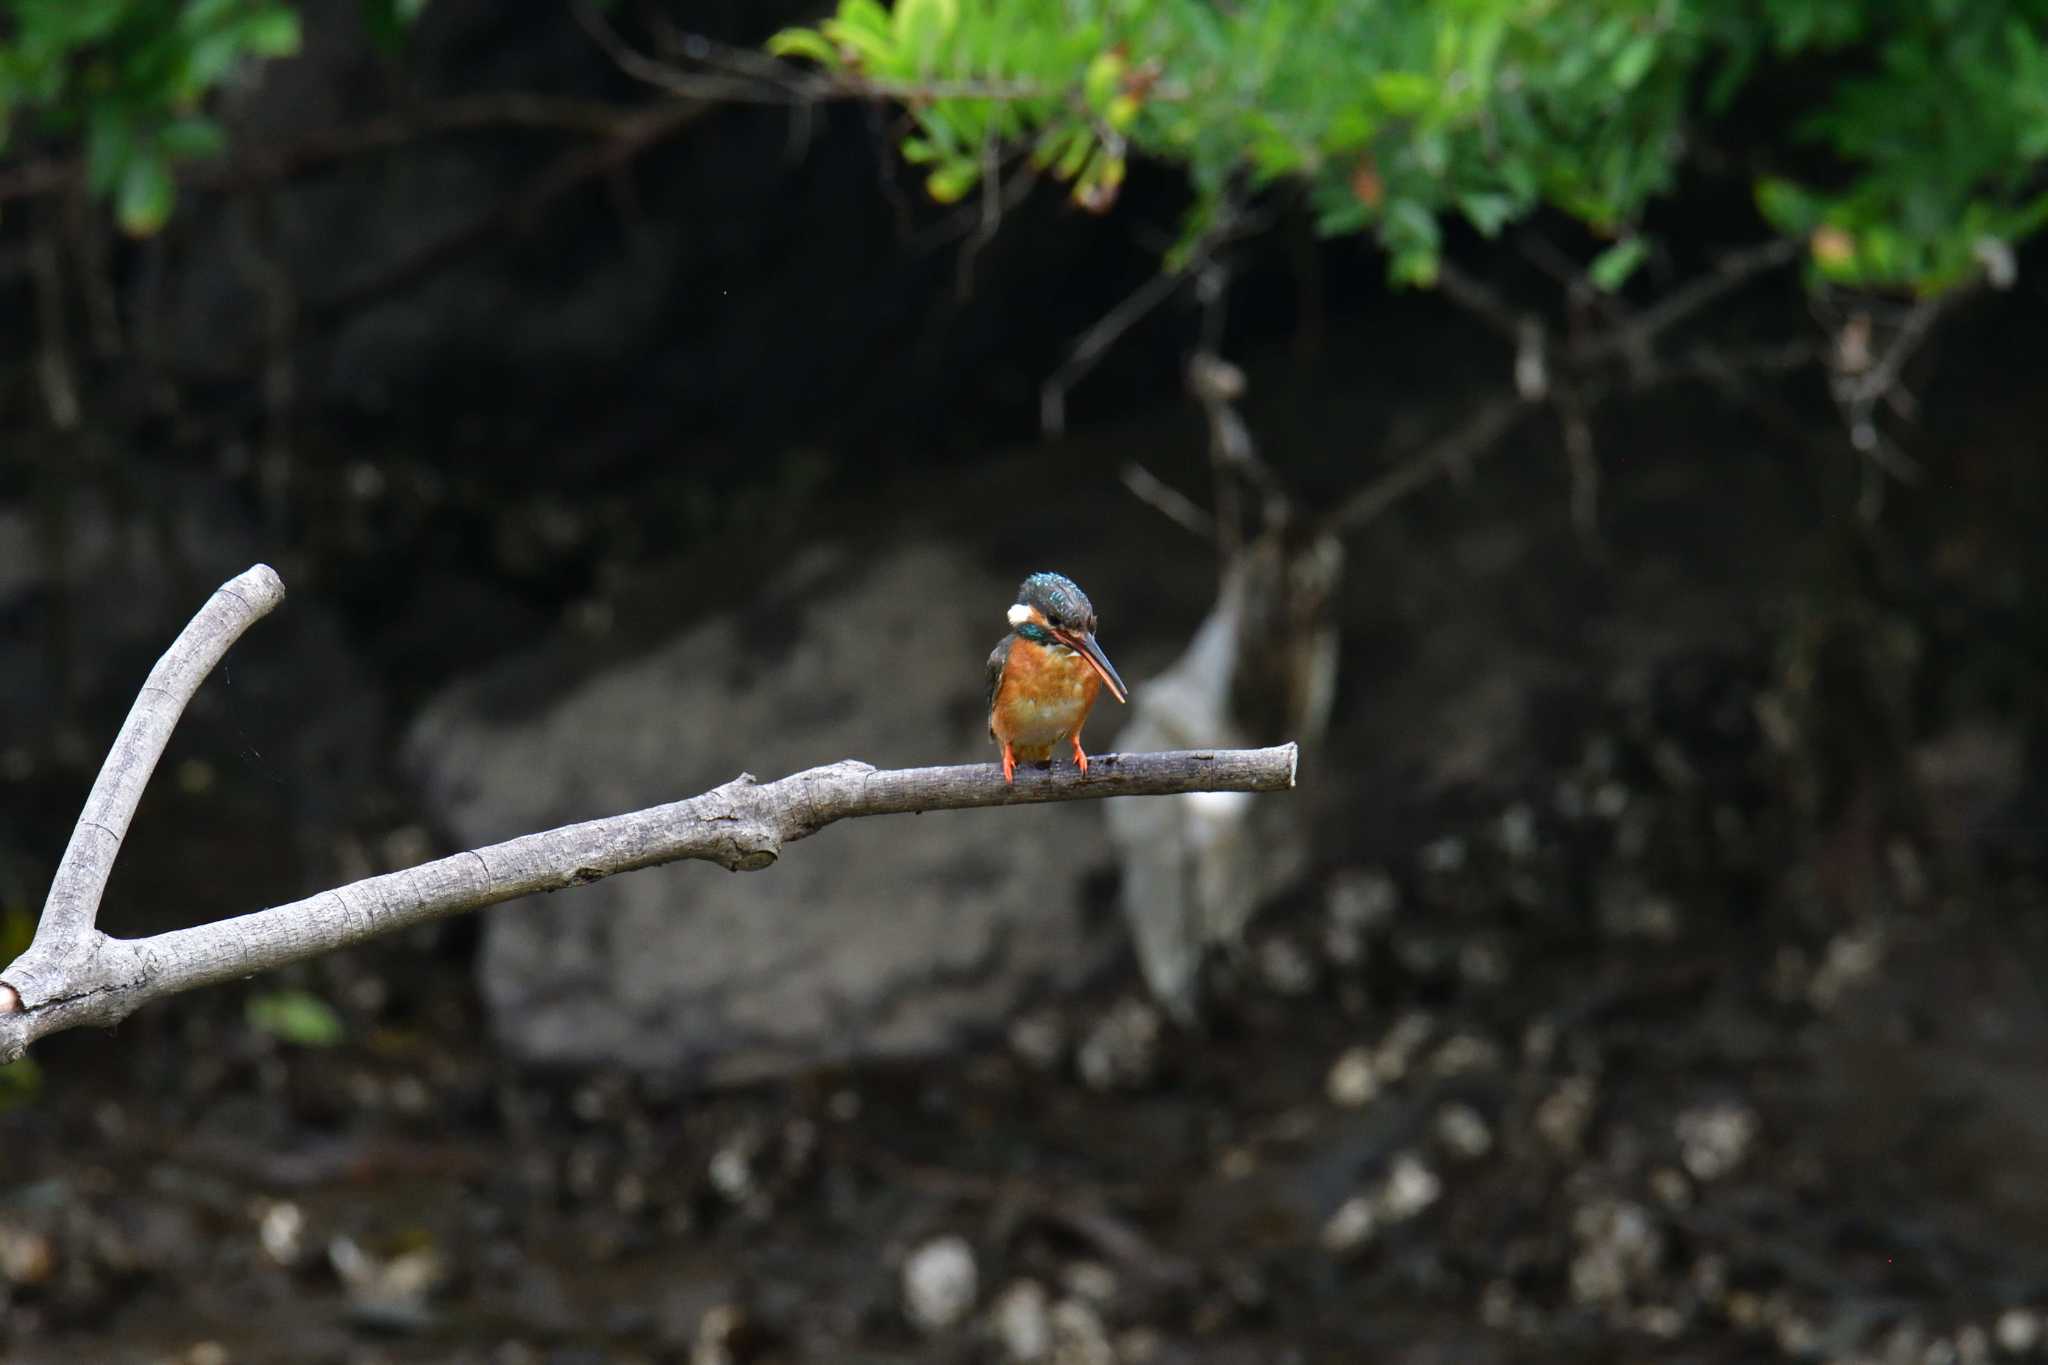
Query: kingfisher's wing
(996, 660)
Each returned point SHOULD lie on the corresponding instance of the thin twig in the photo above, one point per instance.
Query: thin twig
(73, 975)
(1875, 382)
(749, 78)
(474, 113)
(1577, 429)
(1163, 498)
(37, 178)
(54, 371)
(1455, 449)
(1681, 303)
(250, 166)
(1052, 395)
(566, 173)
(1480, 301)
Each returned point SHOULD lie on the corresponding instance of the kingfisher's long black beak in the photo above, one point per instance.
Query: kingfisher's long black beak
(1084, 643)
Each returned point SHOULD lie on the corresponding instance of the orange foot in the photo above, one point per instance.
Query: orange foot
(1009, 767)
(1080, 757)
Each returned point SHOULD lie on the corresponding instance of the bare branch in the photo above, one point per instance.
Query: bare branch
(54, 370)
(1454, 449)
(1163, 498)
(36, 178)
(73, 975)
(1481, 302)
(64, 935)
(1878, 380)
(1681, 303)
(1577, 428)
(257, 165)
(506, 109)
(1052, 395)
(567, 172)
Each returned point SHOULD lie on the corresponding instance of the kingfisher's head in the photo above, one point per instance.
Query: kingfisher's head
(1052, 611)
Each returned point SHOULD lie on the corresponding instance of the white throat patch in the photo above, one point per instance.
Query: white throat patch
(1019, 613)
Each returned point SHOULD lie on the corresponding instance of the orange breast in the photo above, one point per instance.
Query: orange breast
(1043, 699)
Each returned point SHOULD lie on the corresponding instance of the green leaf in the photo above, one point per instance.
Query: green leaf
(1633, 62)
(876, 51)
(389, 22)
(191, 137)
(1350, 128)
(296, 1017)
(922, 25)
(272, 32)
(109, 140)
(1488, 212)
(146, 194)
(1611, 268)
(1273, 157)
(1409, 224)
(1416, 266)
(1340, 217)
(805, 43)
(1403, 93)
(949, 182)
(1786, 206)
(1100, 81)
(1076, 155)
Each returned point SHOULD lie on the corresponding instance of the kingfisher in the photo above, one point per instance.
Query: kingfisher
(1044, 677)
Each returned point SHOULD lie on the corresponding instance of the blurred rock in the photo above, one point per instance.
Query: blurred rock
(2018, 1331)
(27, 1256)
(1361, 903)
(1350, 1225)
(1411, 1187)
(1463, 1131)
(1079, 1338)
(1352, 1082)
(1091, 1281)
(1039, 1039)
(1022, 1322)
(887, 937)
(1121, 1051)
(1620, 1247)
(391, 1295)
(939, 1284)
(1564, 1113)
(1713, 1140)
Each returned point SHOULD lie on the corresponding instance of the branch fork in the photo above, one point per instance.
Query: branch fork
(74, 975)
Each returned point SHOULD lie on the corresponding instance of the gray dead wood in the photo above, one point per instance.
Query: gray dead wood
(73, 975)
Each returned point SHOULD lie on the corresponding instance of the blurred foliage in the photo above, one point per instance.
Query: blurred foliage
(129, 80)
(1398, 114)
(297, 1017)
(1394, 115)
(21, 1081)
(17, 928)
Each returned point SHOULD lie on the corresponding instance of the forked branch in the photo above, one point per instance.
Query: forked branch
(73, 975)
